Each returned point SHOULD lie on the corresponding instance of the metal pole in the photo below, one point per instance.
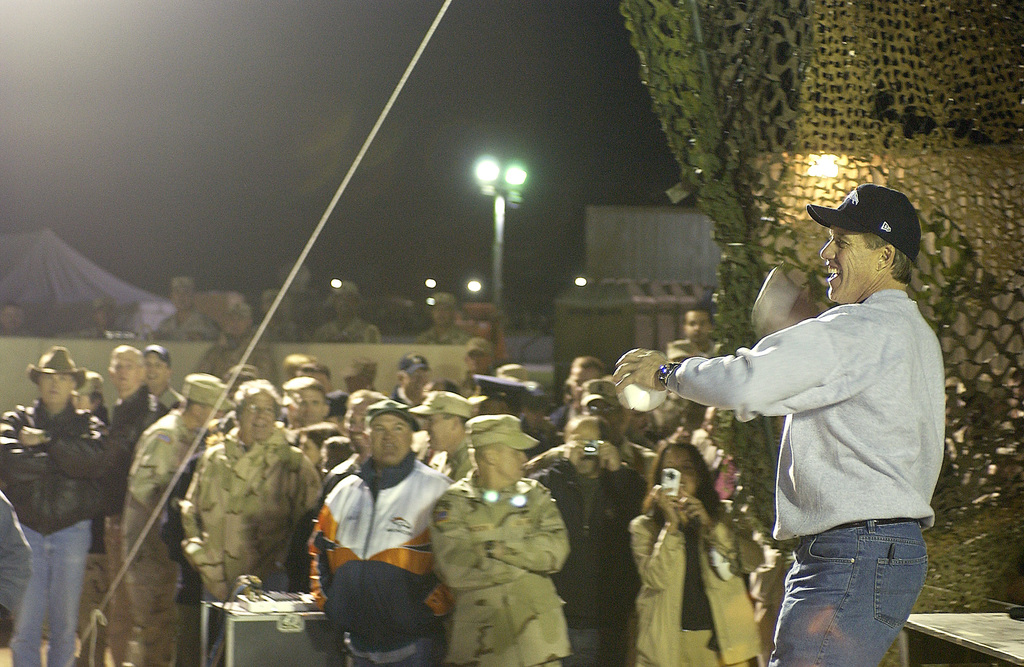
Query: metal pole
(499, 234)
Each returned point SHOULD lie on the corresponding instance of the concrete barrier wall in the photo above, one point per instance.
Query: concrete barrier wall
(446, 361)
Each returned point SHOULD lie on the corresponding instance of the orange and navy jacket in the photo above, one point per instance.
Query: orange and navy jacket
(372, 571)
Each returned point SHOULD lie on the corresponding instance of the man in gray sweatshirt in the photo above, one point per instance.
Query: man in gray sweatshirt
(862, 390)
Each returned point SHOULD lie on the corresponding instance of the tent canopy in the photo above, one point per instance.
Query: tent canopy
(39, 268)
(43, 273)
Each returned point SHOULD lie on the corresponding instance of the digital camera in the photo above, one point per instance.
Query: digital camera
(670, 481)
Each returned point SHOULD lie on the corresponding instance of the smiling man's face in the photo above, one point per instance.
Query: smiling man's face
(853, 266)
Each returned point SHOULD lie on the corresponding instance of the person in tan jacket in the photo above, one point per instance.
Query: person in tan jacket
(497, 538)
(693, 608)
(248, 492)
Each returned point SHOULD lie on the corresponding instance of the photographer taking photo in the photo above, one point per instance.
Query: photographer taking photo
(693, 607)
(597, 496)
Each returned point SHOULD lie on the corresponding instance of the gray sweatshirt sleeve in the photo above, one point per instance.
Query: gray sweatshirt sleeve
(784, 373)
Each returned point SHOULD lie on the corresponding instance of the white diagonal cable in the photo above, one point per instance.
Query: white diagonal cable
(97, 613)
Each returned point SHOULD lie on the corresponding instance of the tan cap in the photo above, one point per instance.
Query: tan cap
(513, 372)
(444, 403)
(204, 389)
(599, 389)
(498, 430)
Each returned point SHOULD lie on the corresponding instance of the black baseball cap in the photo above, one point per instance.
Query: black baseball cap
(873, 209)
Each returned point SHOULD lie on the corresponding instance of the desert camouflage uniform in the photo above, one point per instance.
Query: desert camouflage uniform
(507, 612)
(356, 331)
(451, 336)
(242, 508)
(152, 576)
(456, 465)
(227, 352)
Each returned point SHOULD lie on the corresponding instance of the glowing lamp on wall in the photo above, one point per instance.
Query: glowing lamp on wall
(823, 166)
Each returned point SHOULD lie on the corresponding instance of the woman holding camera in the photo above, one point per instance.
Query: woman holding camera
(693, 607)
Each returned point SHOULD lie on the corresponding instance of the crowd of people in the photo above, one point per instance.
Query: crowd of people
(303, 314)
(406, 513)
(464, 521)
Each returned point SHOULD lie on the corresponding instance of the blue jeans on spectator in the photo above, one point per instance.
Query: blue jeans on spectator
(58, 569)
(424, 652)
(848, 594)
(585, 643)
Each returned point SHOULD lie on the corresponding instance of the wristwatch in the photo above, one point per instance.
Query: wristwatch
(667, 369)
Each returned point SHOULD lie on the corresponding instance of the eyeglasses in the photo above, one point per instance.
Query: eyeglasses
(254, 410)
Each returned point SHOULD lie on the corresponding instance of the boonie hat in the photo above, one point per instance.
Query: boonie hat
(56, 361)
(873, 209)
(498, 430)
(444, 403)
(390, 407)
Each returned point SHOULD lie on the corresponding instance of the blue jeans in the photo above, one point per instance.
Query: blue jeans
(58, 569)
(425, 652)
(848, 594)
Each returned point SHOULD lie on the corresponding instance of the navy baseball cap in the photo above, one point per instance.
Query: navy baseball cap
(873, 209)
(160, 351)
(413, 362)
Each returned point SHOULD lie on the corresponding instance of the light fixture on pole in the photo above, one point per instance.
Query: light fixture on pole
(506, 189)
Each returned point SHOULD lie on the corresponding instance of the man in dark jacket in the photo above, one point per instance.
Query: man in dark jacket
(51, 457)
(136, 409)
(597, 496)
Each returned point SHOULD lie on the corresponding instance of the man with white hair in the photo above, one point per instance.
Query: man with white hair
(135, 411)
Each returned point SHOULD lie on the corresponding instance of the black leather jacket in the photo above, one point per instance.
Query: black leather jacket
(128, 420)
(56, 484)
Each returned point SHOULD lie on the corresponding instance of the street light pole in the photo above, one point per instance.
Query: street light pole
(505, 189)
(498, 247)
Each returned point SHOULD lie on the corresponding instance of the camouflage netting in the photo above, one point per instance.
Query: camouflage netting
(923, 96)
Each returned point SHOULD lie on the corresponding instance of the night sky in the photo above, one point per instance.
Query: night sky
(206, 138)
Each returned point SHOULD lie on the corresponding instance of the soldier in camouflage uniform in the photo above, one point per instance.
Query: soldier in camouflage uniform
(152, 576)
(497, 539)
(444, 330)
(346, 326)
(227, 352)
(248, 493)
(447, 414)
